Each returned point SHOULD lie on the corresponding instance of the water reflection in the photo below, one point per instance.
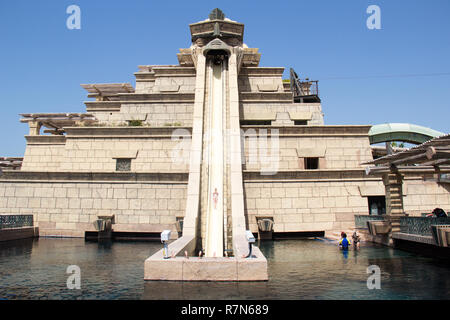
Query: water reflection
(298, 269)
(175, 290)
(345, 254)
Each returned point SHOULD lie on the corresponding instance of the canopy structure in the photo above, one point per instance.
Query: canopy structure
(54, 121)
(11, 162)
(429, 158)
(107, 91)
(432, 156)
(401, 132)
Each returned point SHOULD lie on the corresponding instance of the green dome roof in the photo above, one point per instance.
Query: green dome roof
(401, 132)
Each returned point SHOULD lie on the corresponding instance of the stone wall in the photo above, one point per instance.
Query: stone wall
(151, 114)
(174, 84)
(166, 79)
(423, 196)
(331, 205)
(162, 114)
(97, 154)
(43, 157)
(69, 208)
(306, 206)
(270, 83)
(144, 86)
(333, 152)
(284, 111)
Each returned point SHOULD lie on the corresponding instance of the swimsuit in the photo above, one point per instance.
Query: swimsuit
(344, 243)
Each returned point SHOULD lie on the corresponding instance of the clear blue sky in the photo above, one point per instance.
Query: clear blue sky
(365, 75)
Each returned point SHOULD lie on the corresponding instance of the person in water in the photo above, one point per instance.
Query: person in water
(356, 239)
(344, 243)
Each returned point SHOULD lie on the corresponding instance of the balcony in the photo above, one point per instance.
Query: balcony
(304, 91)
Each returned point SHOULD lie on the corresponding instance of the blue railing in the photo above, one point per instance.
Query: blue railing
(361, 220)
(16, 221)
(421, 225)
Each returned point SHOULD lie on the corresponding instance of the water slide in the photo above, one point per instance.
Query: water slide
(215, 208)
(216, 109)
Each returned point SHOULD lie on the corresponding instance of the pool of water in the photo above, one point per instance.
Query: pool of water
(298, 269)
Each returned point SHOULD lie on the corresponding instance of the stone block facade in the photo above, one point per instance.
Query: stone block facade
(100, 153)
(333, 152)
(327, 205)
(305, 205)
(261, 80)
(43, 157)
(423, 196)
(283, 113)
(151, 114)
(70, 208)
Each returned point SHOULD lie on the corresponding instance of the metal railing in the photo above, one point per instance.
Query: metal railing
(421, 225)
(16, 221)
(11, 163)
(444, 178)
(301, 88)
(361, 220)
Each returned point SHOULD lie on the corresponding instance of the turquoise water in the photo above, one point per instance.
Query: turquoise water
(298, 269)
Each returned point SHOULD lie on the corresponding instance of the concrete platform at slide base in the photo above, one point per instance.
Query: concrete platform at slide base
(180, 268)
(18, 233)
(206, 269)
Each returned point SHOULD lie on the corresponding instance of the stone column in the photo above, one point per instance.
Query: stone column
(35, 128)
(394, 201)
(240, 245)
(193, 192)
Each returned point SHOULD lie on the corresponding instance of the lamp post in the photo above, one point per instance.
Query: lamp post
(165, 236)
(250, 239)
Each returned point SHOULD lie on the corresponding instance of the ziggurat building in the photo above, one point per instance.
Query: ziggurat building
(211, 145)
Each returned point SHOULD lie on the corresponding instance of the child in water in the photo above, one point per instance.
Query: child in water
(344, 243)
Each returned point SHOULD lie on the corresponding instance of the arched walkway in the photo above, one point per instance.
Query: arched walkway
(405, 132)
